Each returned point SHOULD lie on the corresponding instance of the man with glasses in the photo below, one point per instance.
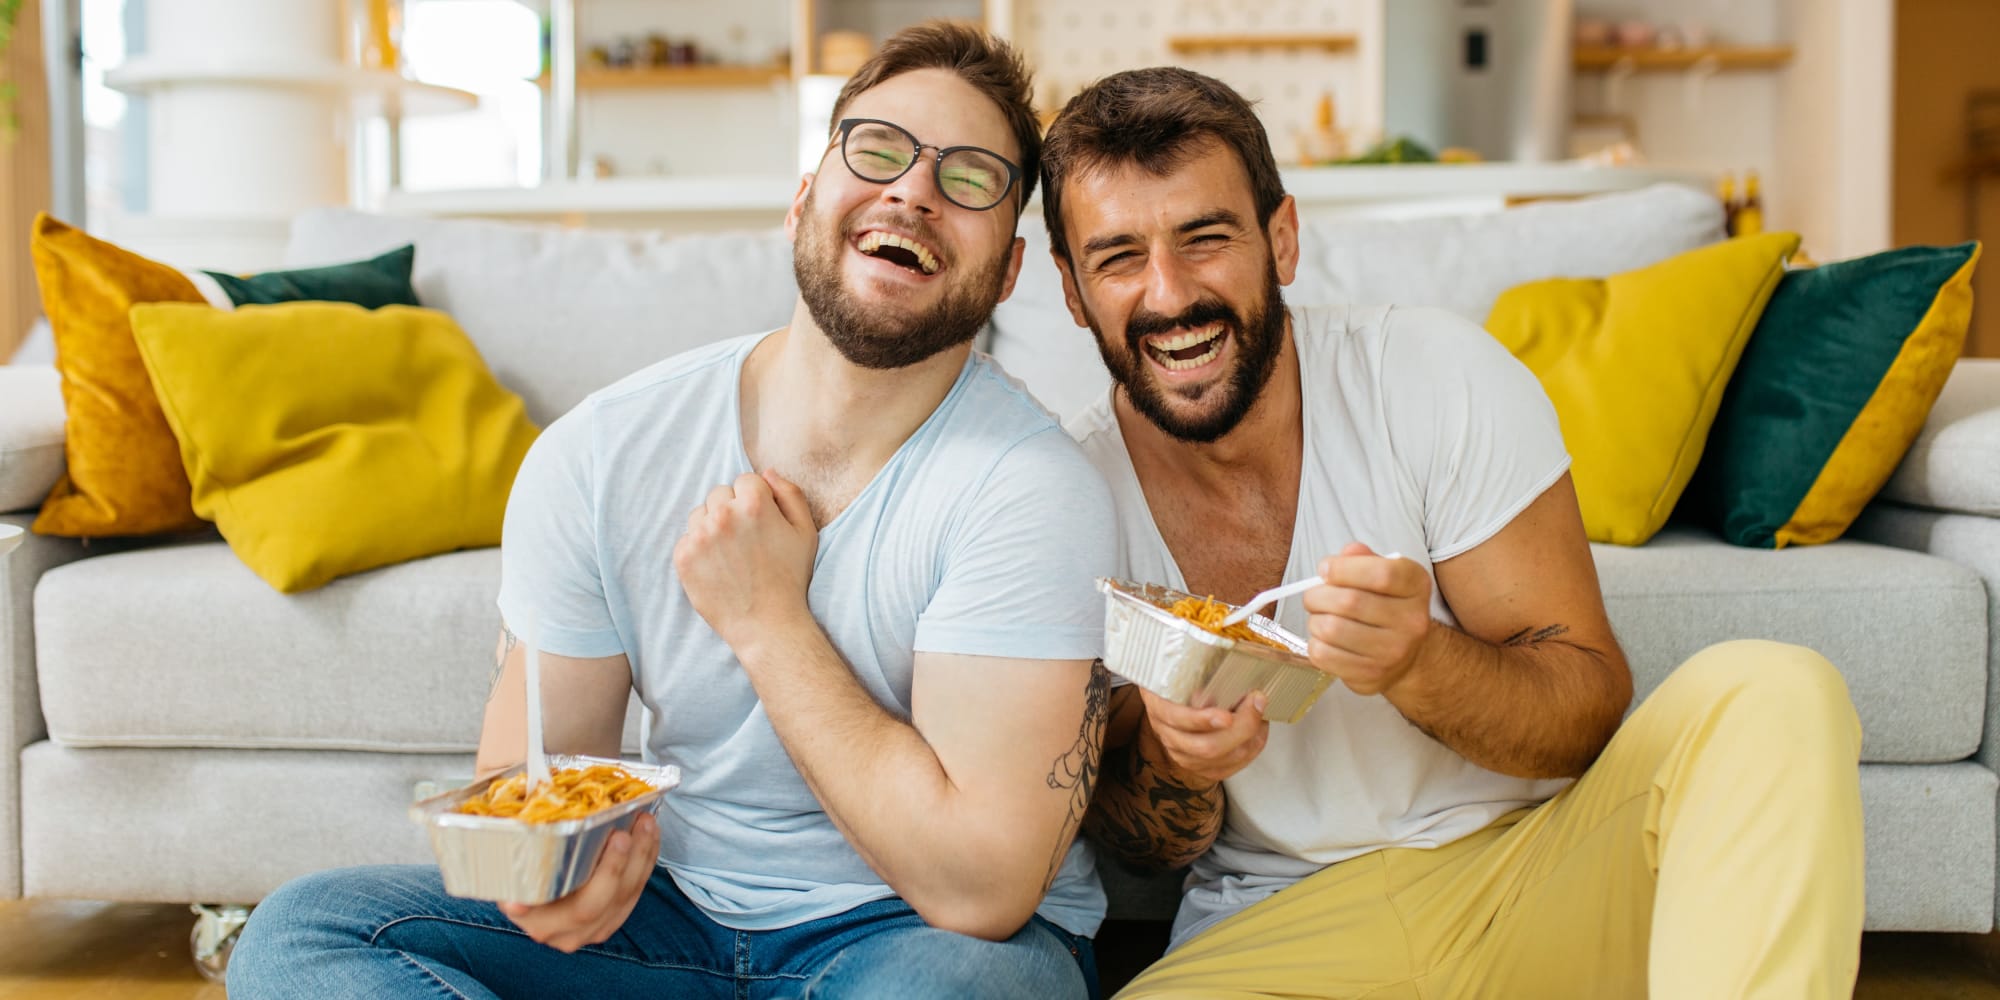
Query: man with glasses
(847, 567)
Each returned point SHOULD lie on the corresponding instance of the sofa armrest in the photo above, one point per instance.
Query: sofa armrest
(20, 694)
(31, 435)
(1970, 540)
(1954, 465)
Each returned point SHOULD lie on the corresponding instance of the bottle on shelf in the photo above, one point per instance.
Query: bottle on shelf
(1750, 214)
(1323, 143)
(1725, 192)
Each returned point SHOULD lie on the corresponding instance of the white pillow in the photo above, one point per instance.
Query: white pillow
(558, 313)
(31, 435)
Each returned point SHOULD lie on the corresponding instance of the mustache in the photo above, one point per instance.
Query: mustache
(1145, 323)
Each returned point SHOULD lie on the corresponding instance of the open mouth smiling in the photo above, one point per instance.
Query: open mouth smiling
(1188, 349)
(903, 251)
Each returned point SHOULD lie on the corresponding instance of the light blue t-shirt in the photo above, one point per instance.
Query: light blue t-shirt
(981, 536)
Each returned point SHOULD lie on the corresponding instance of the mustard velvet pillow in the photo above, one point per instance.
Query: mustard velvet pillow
(1636, 365)
(325, 439)
(123, 474)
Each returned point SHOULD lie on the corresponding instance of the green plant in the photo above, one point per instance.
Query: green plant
(10, 14)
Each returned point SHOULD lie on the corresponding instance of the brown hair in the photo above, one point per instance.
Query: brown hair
(989, 64)
(1155, 118)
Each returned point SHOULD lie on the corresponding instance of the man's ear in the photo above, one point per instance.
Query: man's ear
(1070, 296)
(1283, 232)
(798, 206)
(1013, 269)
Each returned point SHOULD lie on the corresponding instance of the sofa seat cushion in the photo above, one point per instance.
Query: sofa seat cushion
(183, 646)
(1907, 630)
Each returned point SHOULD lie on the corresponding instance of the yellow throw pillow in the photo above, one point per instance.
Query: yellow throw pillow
(325, 439)
(123, 473)
(1636, 365)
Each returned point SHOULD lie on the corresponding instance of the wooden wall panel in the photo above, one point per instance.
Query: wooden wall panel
(24, 176)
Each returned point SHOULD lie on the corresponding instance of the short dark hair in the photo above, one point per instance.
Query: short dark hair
(1155, 118)
(989, 64)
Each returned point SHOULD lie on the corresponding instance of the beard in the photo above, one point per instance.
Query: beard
(881, 336)
(1259, 337)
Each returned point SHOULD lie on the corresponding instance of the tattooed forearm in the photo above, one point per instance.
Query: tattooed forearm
(1076, 770)
(1143, 816)
(507, 642)
(1532, 636)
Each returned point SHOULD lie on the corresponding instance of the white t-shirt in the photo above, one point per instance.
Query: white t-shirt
(1422, 436)
(981, 536)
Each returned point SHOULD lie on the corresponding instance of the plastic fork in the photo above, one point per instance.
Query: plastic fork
(538, 757)
(1293, 589)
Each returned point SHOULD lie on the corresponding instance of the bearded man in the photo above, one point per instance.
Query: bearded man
(1467, 812)
(847, 566)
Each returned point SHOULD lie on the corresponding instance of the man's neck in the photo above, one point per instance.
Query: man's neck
(1263, 448)
(827, 423)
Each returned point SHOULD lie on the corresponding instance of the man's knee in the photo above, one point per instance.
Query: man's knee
(1792, 684)
(934, 963)
(324, 908)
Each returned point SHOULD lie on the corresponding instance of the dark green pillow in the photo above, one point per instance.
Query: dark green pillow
(372, 284)
(1834, 385)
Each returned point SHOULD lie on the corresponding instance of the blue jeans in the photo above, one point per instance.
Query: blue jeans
(391, 931)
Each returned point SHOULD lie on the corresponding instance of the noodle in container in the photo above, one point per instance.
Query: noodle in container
(510, 861)
(511, 839)
(1187, 664)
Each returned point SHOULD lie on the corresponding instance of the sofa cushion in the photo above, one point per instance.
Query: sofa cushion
(325, 439)
(529, 296)
(31, 434)
(1460, 263)
(1906, 630)
(217, 826)
(123, 473)
(1835, 385)
(1636, 364)
(1954, 465)
(183, 646)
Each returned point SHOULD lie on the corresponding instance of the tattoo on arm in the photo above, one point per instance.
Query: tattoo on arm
(1076, 770)
(507, 642)
(1145, 818)
(1531, 636)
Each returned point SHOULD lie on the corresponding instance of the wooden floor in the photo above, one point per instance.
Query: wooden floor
(53, 950)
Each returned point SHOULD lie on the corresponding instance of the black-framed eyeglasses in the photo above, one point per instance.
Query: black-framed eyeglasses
(970, 177)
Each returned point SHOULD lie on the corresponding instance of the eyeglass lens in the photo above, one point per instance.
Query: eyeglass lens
(882, 153)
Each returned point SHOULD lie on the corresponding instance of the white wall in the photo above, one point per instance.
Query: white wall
(1073, 42)
(1816, 131)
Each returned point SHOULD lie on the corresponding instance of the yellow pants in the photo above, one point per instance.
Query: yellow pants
(1713, 851)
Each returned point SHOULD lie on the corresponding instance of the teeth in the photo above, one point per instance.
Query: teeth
(1195, 362)
(1189, 339)
(873, 241)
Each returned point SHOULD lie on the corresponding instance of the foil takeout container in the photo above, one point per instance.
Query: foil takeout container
(508, 861)
(1187, 664)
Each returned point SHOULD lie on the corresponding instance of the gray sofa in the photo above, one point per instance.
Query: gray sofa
(171, 729)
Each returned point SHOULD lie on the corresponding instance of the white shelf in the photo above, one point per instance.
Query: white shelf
(381, 91)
